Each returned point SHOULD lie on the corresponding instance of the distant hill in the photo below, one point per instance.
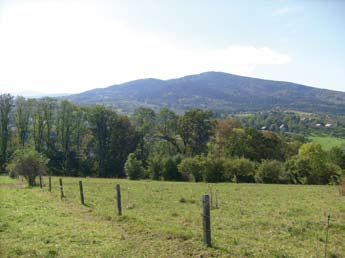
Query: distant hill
(37, 94)
(220, 92)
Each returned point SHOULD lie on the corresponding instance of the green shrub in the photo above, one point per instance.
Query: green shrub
(170, 169)
(191, 169)
(155, 167)
(239, 170)
(270, 171)
(28, 163)
(133, 167)
(214, 170)
(297, 170)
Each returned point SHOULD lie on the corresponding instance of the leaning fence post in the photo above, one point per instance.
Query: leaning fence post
(81, 192)
(206, 218)
(50, 183)
(118, 200)
(61, 188)
(40, 181)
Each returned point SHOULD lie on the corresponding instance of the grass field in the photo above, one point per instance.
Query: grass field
(327, 142)
(252, 220)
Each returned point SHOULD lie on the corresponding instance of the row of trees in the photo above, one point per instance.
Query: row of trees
(97, 141)
(78, 141)
(311, 165)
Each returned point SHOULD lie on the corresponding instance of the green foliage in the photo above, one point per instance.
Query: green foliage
(22, 116)
(115, 138)
(270, 171)
(133, 167)
(192, 169)
(298, 170)
(214, 170)
(155, 167)
(337, 156)
(321, 172)
(170, 168)
(6, 104)
(300, 123)
(195, 129)
(28, 163)
(239, 170)
(96, 141)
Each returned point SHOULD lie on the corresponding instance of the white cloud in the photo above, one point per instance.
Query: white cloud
(51, 48)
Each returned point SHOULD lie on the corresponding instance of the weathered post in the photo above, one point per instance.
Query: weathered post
(50, 183)
(81, 192)
(61, 189)
(118, 200)
(40, 181)
(328, 218)
(206, 218)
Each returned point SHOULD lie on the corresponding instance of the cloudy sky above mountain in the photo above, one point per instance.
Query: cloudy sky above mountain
(76, 45)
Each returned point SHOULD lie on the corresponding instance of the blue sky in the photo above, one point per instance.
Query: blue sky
(75, 45)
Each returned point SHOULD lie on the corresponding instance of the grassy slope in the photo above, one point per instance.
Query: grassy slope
(327, 142)
(252, 220)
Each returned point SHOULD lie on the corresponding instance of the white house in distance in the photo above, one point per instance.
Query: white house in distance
(328, 125)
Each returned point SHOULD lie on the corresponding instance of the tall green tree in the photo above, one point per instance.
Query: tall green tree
(38, 125)
(167, 129)
(22, 116)
(195, 129)
(6, 104)
(115, 138)
(65, 130)
(144, 119)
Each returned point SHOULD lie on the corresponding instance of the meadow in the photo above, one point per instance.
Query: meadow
(163, 219)
(327, 142)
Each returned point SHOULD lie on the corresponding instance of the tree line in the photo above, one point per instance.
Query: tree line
(295, 122)
(195, 146)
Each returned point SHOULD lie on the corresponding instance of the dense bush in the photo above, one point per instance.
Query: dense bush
(155, 168)
(133, 167)
(170, 168)
(191, 169)
(239, 170)
(298, 170)
(214, 170)
(270, 171)
(28, 163)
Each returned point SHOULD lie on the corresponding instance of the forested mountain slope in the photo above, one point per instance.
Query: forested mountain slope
(219, 92)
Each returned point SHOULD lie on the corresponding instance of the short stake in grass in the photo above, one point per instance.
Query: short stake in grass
(40, 181)
(206, 219)
(61, 189)
(118, 200)
(50, 183)
(81, 192)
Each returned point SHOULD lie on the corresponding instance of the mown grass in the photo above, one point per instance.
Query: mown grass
(163, 219)
(327, 142)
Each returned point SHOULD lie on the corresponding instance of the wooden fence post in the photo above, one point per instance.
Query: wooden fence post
(206, 219)
(81, 192)
(40, 181)
(118, 200)
(50, 183)
(61, 189)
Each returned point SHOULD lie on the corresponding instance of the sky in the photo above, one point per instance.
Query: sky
(70, 46)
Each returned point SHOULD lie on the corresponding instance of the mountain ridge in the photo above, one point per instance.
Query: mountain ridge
(217, 91)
